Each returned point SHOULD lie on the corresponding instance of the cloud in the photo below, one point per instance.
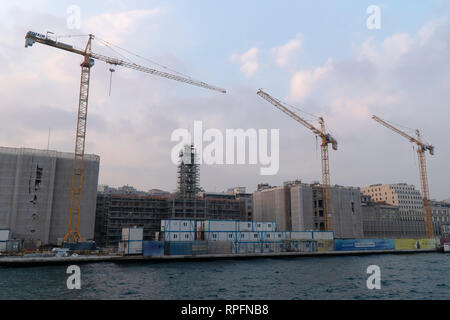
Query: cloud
(303, 81)
(111, 26)
(248, 60)
(427, 31)
(285, 54)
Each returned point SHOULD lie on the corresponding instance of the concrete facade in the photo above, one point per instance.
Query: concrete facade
(273, 205)
(441, 215)
(408, 200)
(299, 207)
(35, 189)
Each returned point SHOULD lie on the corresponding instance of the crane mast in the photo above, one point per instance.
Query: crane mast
(421, 150)
(326, 140)
(72, 235)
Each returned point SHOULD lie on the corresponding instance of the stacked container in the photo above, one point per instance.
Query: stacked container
(179, 230)
(132, 239)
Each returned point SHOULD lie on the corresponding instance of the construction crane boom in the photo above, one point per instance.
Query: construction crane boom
(32, 37)
(326, 140)
(73, 234)
(421, 150)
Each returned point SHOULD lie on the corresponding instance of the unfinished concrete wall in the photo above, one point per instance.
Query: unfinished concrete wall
(273, 205)
(35, 188)
(347, 212)
(302, 212)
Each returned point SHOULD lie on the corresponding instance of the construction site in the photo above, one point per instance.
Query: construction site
(50, 199)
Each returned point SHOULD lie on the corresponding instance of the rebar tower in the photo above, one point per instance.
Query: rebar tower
(188, 173)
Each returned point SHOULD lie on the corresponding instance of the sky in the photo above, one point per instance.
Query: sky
(318, 56)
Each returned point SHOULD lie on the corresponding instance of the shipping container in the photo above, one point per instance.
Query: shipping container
(220, 236)
(245, 226)
(130, 247)
(248, 236)
(219, 225)
(299, 235)
(323, 235)
(299, 245)
(132, 234)
(219, 247)
(173, 236)
(178, 225)
(3, 246)
(364, 244)
(273, 236)
(264, 226)
(5, 234)
(247, 247)
(153, 248)
(412, 244)
(272, 247)
(178, 248)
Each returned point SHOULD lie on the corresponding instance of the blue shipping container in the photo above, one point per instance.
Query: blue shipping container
(153, 248)
(364, 244)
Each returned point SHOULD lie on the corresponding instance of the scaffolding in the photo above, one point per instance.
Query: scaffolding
(188, 173)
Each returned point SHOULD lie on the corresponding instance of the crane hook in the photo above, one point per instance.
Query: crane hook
(110, 80)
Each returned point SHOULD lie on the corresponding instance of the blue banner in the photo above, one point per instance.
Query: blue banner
(364, 244)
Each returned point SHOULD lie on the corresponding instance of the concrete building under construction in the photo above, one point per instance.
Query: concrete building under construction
(297, 206)
(118, 210)
(35, 189)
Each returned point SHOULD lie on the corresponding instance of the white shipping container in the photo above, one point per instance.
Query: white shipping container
(178, 225)
(264, 226)
(135, 245)
(130, 247)
(133, 234)
(248, 236)
(5, 235)
(245, 225)
(273, 236)
(300, 235)
(220, 236)
(323, 235)
(179, 236)
(220, 225)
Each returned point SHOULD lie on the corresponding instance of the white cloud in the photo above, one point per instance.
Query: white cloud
(248, 60)
(430, 28)
(111, 26)
(285, 54)
(303, 81)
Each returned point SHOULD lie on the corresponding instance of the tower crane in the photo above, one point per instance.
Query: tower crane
(73, 234)
(326, 140)
(422, 148)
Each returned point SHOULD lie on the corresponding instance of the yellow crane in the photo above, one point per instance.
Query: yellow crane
(421, 150)
(326, 140)
(73, 234)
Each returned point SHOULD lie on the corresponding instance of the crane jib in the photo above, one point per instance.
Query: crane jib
(37, 35)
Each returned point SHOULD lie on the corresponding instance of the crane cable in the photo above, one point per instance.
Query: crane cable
(109, 44)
